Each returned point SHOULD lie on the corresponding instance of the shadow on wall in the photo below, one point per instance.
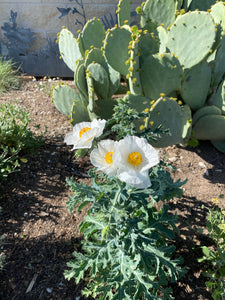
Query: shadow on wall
(19, 41)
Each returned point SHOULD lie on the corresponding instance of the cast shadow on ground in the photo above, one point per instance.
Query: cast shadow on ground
(191, 222)
(42, 260)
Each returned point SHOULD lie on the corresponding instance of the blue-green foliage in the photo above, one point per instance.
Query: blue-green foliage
(126, 250)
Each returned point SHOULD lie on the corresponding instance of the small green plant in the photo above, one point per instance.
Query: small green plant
(14, 128)
(8, 161)
(127, 245)
(216, 255)
(15, 137)
(2, 255)
(8, 76)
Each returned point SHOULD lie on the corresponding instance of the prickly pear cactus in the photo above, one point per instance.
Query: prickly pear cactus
(168, 113)
(174, 58)
(68, 101)
(191, 37)
(161, 73)
(123, 12)
(68, 48)
(158, 12)
(196, 84)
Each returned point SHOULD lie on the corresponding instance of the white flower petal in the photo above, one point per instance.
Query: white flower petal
(69, 138)
(133, 157)
(84, 133)
(98, 157)
(137, 180)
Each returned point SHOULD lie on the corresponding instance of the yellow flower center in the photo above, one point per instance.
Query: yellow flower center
(135, 158)
(83, 130)
(108, 157)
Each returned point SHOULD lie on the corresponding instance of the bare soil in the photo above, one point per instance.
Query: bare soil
(40, 234)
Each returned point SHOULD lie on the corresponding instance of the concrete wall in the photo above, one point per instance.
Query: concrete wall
(28, 29)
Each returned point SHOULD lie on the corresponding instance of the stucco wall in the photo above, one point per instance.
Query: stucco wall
(28, 29)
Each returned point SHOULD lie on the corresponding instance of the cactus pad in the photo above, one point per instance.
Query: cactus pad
(80, 81)
(219, 65)
(161, 73)
(201, 4)
(160, 11)
(191, 37)
(100, 80)
(219, 145)
(210, 127)
(219, 99)
(95, 55)
(196, 85)
(206, 110)
(69, 49)
(169, 114)
(63, 97)
(117, 42)
(123, 12)
(93, 34)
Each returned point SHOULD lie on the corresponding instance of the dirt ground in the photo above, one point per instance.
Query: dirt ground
(40, 234)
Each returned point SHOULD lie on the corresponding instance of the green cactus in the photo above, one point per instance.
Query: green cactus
(100, 80)
(134, 74)
(92, 34)
(163, 38)
(219, 98)
(175, 54)
(203, 5)
(148, 44)
(210, 127)
(218, 13)
(159, 12)
(219, 65)
(219, 145)
(94, 55)
(196, 84)
(80, 80)
(161, 73)
(170, 115)
(191, 37)
(204, 111)
(69, 48)
(118, 41)
(186, 4)
(123, 12)
(66, 99)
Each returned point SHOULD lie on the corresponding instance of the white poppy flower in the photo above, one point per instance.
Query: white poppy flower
(133, 157)
(83, 134)
(102, 157)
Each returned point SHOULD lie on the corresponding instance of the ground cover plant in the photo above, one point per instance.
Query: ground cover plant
(216, 256)
(126, 239)
(16, 138)
(8, 76)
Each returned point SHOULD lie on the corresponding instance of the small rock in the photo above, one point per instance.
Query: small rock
(202, 165)
(172, 159)
(207, 172)
(25, 214)
(49, 290)
(53, 153)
